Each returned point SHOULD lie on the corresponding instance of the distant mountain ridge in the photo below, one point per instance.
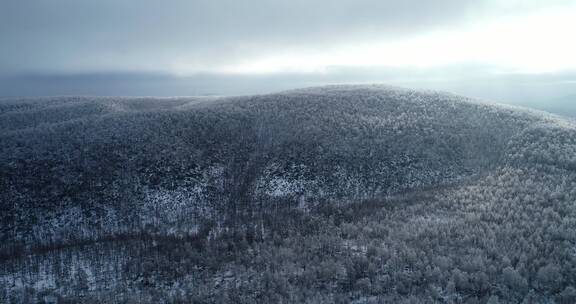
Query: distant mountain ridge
(565, 106)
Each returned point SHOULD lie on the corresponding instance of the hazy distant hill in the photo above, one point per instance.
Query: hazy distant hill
(268, 198)
(565, 106)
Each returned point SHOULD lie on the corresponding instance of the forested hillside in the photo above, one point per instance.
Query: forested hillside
(340, 194)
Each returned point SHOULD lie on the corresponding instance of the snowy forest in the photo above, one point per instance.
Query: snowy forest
(336, 194)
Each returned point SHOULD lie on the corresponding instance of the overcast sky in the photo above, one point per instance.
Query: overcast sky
(183, 47)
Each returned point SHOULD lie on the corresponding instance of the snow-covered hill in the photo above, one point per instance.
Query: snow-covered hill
(84, 171)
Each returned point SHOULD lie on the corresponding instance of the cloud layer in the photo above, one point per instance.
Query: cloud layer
(183, 36)
(507, 50)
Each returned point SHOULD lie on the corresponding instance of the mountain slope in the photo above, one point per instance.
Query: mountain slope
(83, 171)
(106, 158)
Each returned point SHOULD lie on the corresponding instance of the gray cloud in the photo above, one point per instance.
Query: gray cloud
(144, 35)
(125, 47)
